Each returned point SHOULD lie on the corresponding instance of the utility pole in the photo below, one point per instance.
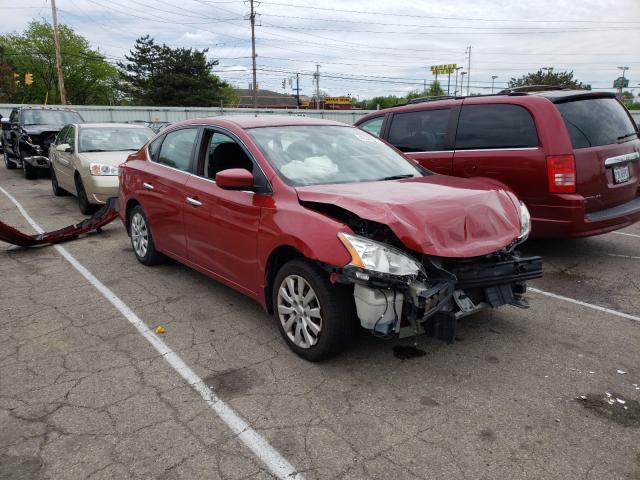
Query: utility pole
(317, 78)
(624, 69)
(455, 93)
(468, 69)
(252, 17)
(56, 41)
(493, 79)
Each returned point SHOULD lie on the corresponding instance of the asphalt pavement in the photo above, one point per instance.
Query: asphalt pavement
(545, 393)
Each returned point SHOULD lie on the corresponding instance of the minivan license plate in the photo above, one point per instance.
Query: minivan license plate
(621, 174)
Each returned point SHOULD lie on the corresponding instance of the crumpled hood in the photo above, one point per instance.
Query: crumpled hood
(437, 215)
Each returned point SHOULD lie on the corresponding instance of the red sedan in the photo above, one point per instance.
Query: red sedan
(326, 226)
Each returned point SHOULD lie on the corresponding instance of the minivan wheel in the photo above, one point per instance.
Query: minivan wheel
(57, 191)
(83, 201)
(142, 239)
(315, 318)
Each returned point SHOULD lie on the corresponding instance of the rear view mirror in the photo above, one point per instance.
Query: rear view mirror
(235, 179)
(64, 147)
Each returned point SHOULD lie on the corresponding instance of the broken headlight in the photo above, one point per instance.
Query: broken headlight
(525, 223)
(378, 257)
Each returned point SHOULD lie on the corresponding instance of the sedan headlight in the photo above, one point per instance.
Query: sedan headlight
(102, 169)
(378, 257)
(525, 223)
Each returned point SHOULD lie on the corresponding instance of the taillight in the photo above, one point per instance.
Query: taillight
(561, 171)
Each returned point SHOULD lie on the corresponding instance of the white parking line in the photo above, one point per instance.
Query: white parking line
(627, 234)
(585, 304)
(275, 462)
(623, 256)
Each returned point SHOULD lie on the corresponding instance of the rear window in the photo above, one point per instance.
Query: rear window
(596, 121)
(495, 126)
(423, 131)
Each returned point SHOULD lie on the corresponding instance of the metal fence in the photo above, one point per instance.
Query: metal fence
(93, 113)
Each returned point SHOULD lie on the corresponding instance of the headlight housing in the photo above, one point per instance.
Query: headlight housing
(102, 169)
(379, 257)
(525, 223)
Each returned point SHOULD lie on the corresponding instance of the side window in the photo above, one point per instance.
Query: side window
(222, 153)
(154, 147)
(13, 117)
(62, 136)
(373, 126)
(495, 126)
(177, 148)
(71, 136)
(423, 131)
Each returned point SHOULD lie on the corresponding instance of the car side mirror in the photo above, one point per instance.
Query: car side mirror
(235, 179)
(64, 147)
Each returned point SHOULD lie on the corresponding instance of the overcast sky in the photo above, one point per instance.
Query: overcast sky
(367, 48)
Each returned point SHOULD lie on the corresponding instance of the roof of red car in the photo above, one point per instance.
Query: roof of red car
(250, 121)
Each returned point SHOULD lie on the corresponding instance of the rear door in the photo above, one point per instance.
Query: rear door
(500, 141)
(163, 194)
(425, 135)
(606, 149)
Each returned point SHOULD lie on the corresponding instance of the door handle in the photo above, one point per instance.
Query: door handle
(147, 186)
(194, 202)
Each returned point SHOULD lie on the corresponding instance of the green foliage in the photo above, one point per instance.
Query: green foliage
(89, 78)
(160, 75)
(383, 102)
(549, 77)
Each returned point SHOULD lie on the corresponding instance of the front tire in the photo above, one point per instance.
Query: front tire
(8, 163)
(142, 239)
(57, 191)
(315, 318)
(30, 172)
(83, 201)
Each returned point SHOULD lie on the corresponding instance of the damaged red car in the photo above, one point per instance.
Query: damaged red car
(326, 226)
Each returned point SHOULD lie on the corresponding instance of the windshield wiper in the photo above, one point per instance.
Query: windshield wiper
(622, 137)
(398, 177)
(95, 150)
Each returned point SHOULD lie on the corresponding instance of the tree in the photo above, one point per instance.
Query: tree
(88, 76)
(383, 102)
(160, 75)
(434, 90)
(549, 77)
(627, 97)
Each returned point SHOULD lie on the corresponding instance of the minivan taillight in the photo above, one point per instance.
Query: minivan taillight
(561, 171)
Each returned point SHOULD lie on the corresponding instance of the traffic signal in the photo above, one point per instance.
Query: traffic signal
(28, 78)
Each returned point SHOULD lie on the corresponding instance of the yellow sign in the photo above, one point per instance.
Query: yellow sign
(338, 100)
(443, 69)
(28, 78)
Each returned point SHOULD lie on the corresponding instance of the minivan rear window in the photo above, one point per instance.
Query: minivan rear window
(596, 121)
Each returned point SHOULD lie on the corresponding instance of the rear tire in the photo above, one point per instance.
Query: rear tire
(8, 163)
(83, 202)
(315, 318)
(142, 239)
(57, 191)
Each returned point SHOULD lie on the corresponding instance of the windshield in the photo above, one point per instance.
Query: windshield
(596, 121)
(315, 155)
(111, 139)
(50, 117)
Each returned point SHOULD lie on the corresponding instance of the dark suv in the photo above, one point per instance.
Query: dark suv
(570, 155)
(30, 131)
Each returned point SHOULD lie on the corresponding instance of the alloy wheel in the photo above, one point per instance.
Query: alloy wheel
(139, 235)
(298, 309)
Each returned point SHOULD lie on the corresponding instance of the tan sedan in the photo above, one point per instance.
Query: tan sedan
(85, 158)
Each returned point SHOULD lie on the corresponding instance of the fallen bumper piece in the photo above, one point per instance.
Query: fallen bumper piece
(105, 215)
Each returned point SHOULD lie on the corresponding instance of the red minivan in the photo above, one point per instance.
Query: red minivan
(570, 155)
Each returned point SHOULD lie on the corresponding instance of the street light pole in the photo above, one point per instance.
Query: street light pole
(493, 78)
(455, 93)
(462, 74)
(624, 69)
(253, 54)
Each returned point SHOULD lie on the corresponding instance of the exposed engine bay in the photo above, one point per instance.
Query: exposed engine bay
(440, 292)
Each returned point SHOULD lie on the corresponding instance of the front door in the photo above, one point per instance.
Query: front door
(222, 225)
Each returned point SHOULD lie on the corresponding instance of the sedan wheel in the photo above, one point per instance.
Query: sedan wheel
(142, 239)
(299, 311)
(315, 317)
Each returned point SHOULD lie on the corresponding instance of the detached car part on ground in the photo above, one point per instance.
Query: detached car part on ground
(28, 135)
(324, 224)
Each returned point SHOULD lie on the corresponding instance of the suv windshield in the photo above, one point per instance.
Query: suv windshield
(112, 139)
(596, 121)
(50, 117)
(315, 155)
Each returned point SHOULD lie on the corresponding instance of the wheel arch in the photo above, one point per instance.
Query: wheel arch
(131, 203)
(277, 258)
